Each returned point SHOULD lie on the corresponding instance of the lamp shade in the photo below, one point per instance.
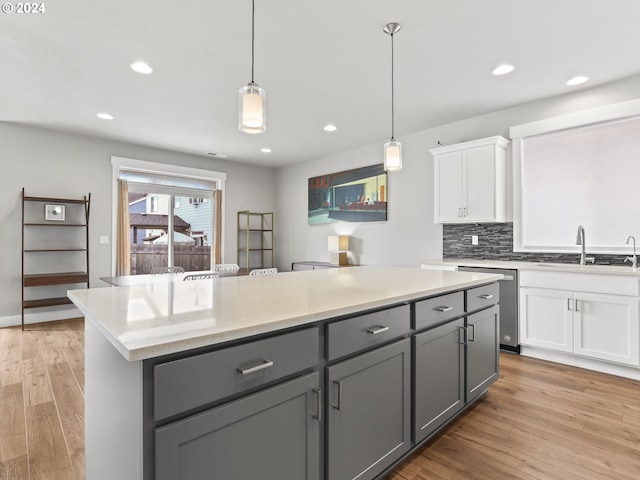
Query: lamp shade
(338, 246)
(252, 109)
(392, 156)
(338, 243)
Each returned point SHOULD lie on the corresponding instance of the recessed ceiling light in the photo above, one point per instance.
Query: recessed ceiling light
(265, 150)
(578, 80)
(503, 69)
(141, 67)
(330, 128)
(104, 116)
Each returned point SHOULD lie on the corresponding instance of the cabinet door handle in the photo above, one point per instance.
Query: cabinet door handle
(443, 309)
(257, 368)
(568, 304)
(486, 296)
(472, 337)
(463, 331)
(460, 212)
(339, 402)
(576, 307)
(464, 212)
(377, 330)
(318, 414)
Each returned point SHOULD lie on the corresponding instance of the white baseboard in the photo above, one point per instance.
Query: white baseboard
(40, 317)
(581, 362)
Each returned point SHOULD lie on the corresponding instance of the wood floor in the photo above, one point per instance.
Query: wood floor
(42, 402)
(539, 421)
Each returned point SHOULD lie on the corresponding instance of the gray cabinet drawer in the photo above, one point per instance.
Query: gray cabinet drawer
(187, 383)
(482, 297)
(434, 311)
(357, 333)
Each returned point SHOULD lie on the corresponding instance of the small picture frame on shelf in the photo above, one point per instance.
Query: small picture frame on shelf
(54, 212)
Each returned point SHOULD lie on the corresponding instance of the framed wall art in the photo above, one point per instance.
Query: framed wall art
(54, 212)
(358, 195)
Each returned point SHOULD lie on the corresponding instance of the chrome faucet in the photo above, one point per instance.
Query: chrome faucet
(633, 260)
(580, 240)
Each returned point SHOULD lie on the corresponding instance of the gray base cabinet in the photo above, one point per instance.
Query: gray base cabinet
(390, 377)
(439, 377)
(483, 344)
(369, 412)
(271, 435)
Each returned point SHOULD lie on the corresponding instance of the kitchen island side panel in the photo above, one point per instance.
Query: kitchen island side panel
(113, 410)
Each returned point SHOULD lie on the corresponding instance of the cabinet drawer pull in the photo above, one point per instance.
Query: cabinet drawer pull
(486, 296)
(257, 368)
(318, 414)
(339, 402)
(443, 309)
(377, 330)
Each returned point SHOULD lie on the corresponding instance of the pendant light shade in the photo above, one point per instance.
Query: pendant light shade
(252, 118)
(392, 156)
(252, 115)
(393, 148)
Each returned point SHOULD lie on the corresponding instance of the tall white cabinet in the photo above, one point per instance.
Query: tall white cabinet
(469, 181)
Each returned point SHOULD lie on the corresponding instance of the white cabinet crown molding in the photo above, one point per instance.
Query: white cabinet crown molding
(495, 140)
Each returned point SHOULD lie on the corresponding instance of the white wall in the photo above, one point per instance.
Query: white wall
(55, 164)
(410, 236)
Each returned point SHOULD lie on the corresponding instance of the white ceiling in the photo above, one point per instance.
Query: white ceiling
(323, 61)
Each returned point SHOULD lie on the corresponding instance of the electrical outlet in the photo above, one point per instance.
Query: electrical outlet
(104, 240)
(474, 239)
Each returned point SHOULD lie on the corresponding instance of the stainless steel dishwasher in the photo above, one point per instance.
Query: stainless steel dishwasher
(508, 305)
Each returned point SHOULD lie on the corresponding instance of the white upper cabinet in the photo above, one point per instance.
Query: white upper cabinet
(469, 181)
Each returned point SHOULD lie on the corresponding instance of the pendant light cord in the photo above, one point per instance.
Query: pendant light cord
(392, 95)
(253, 41)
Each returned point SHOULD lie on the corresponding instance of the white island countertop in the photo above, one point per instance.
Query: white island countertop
(146, 321)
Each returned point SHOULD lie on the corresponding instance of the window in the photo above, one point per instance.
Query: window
(160, 236)
(568, 173)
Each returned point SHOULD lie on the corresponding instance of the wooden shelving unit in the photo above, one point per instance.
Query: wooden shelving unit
(256, 248)
(50, 243)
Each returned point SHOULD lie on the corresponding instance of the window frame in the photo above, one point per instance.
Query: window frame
(618, 111)
(144, 166)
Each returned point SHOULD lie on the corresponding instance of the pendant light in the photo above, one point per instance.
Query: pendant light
(393, 148)
(252, 97)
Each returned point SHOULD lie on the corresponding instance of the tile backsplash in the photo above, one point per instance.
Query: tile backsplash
(495, 242)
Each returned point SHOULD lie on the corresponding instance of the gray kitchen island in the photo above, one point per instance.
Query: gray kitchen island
(328, 374)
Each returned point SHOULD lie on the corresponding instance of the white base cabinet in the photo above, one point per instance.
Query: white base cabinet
(545, 320)
(602, 326)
